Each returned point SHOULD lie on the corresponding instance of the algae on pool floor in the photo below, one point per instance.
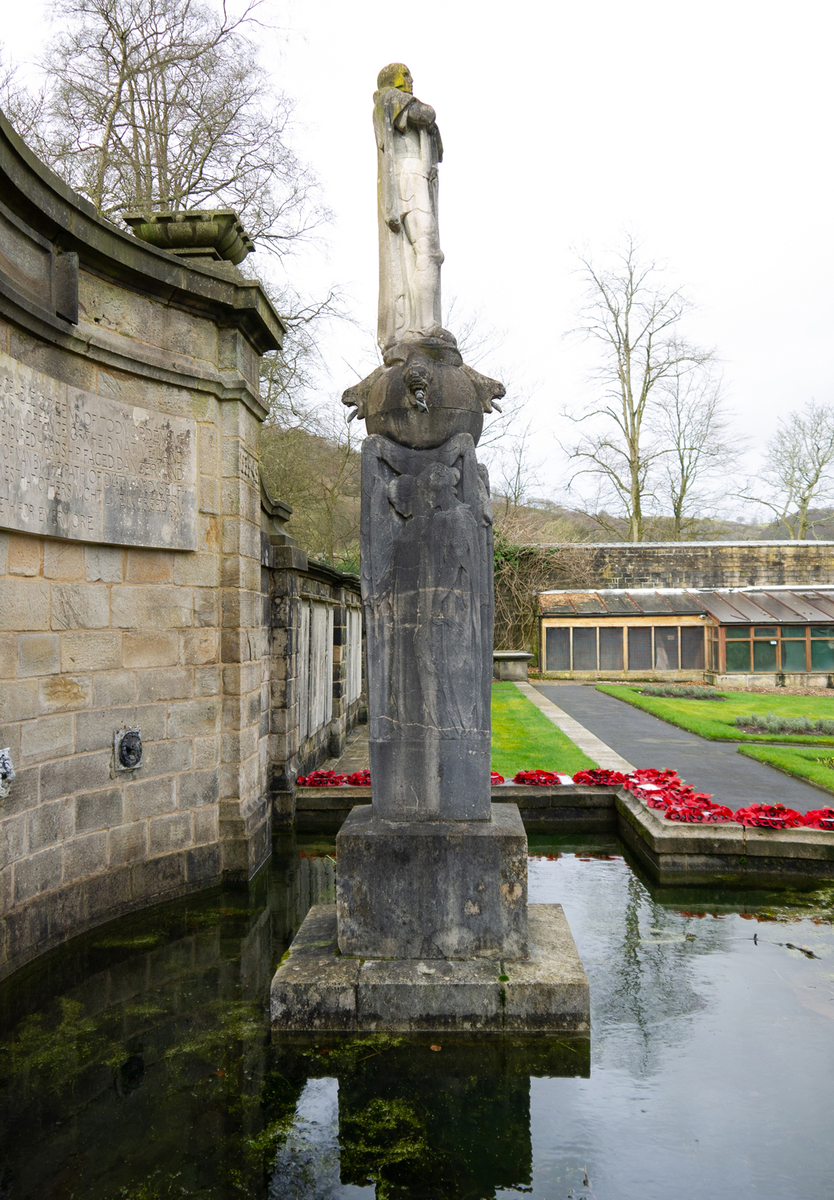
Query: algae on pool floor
(136, 1063)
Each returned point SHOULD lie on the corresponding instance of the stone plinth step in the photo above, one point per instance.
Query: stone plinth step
(317, 988)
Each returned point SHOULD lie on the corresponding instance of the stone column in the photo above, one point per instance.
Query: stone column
(432, 869)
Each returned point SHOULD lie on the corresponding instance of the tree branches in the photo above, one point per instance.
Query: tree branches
(798, 472)
(635, 319)
(161, 104)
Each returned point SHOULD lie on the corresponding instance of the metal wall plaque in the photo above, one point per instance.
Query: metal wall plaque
(81, 466)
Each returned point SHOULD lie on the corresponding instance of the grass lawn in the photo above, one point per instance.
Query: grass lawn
(524, 740)
(804, 763)
(713, 719)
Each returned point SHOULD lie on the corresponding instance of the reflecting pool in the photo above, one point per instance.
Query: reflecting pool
(137, 1063)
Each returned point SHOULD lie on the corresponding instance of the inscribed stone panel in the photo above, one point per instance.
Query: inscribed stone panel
(327, 681)
(321, 665)
(304, 671)
(81, 466)
(353, 669)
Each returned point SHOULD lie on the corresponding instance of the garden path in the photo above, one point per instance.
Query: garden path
(647, 741)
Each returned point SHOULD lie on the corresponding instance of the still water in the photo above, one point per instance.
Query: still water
(138, 1064)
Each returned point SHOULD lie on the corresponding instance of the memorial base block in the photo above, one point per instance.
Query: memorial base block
(432, 889)
(317, 988)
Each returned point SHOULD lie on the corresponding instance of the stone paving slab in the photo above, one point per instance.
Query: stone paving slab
(713, 767)
(587, 741)
(316, 988)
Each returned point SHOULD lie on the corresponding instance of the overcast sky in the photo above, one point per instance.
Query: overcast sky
(705, 128)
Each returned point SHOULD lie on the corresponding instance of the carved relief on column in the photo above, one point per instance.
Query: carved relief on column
(427, 593)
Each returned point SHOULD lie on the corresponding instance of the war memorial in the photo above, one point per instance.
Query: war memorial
(170, 660)
(216, 981)
(431, 921)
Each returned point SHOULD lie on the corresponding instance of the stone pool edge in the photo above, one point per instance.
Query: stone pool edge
(671, 852)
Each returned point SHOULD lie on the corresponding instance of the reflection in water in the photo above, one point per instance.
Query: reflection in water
(307, 1164)
(418, 1117)
(138, 1065)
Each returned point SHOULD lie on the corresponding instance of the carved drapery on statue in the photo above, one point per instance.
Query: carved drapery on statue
(408, 151)
(428, 599)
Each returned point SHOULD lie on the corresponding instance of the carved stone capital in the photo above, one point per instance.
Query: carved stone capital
(423, 395)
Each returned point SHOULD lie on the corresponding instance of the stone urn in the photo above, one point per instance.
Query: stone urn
(213, 233)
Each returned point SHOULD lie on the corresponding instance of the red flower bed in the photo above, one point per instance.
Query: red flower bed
(655, 777)
(599, 777)
(322, 779)
(360, 778)
(769, 816)
(495, 778)
(537, 778)
(699, 813)
(820, 818)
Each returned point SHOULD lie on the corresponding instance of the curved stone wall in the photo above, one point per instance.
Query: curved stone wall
(133, 591)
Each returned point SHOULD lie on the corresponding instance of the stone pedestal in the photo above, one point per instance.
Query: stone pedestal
(317, 988)
(432, 890)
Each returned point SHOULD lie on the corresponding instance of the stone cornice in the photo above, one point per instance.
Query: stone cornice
(52, 209)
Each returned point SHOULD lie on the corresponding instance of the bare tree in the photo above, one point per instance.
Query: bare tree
(635, 319)
(161, 104)
(314, 466)
(798, 471)
(512, 475)
(521, 572)
(697, 458)
(22, 108)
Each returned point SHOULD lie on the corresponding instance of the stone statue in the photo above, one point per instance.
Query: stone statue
(427, 585)
(431, 869)
(408, 151)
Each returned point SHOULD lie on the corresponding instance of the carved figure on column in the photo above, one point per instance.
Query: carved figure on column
(408, 151)
(431, 869)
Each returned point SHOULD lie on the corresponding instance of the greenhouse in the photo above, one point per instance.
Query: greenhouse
(773, 635)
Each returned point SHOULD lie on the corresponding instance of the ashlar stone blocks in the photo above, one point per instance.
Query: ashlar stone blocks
(317, 987)
(434, 890)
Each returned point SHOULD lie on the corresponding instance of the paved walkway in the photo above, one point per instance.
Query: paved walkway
(355, 756)
(588, 742)
(646, 741)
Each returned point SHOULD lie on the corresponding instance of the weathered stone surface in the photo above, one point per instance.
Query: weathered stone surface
(98, 810)
(432, 889)
(317, 988)
(428, 599)
(25, 555)
(510, 664)
(676, 853)
(47, 737)
(85, 467)
(430, 994)
(85, 856)
(552, 980)
(23, 605)
(37, 654)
